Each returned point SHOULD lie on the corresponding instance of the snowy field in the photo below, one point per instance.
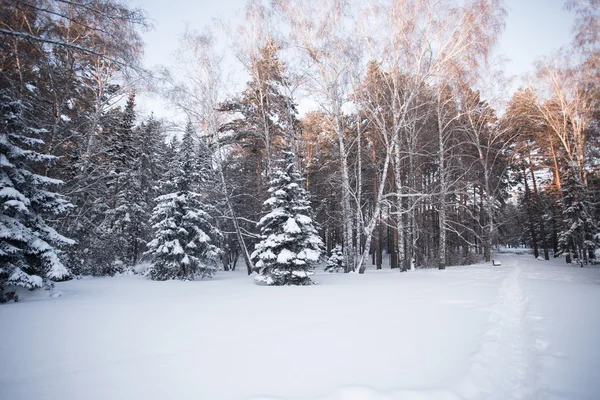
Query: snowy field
(526, 330)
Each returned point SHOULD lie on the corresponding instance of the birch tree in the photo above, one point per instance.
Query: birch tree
(425, 44)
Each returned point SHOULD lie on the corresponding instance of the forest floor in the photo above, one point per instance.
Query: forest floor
(528, 329)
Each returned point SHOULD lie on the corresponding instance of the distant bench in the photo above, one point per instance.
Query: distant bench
(496, 263)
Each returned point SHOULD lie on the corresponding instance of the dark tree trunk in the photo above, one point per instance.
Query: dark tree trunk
(530, 217)
(540, 210)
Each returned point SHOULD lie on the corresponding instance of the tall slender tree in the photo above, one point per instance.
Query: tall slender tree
(182, 246)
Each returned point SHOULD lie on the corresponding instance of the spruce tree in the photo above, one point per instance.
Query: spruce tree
(182, 244)
(290, 245)
(28, 245)
(335, 262)
(126, 221)
(152, 150)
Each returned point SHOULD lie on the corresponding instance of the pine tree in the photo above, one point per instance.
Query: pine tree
(581, 234)
(28, 245)
(261, 117)
(182, 245)
(335, 263)
(289, 245)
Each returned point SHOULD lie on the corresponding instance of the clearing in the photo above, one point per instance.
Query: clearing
(526, 330)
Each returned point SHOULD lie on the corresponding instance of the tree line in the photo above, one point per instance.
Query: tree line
(407, 152)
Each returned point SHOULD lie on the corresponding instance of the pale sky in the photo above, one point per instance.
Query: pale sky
(534, 28)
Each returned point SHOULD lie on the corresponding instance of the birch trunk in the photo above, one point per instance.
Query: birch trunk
(373, 222)
(399, 208)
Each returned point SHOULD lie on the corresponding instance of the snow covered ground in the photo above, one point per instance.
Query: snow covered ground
(526, 330)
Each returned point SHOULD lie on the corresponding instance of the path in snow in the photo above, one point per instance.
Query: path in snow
(504, 366)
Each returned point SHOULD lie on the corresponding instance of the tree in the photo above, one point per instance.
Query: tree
(289, 245)
(335, 262)
(587, 27)
(321, 30)
(126, 220)
(62, 58)
(489, 142)
(29, 247)
(99, 28)
(198, 95)
(534, 152)
(183, 232)
(567, 100)
(408, 84)
(581, 233)
(264, 116)
(263, 109)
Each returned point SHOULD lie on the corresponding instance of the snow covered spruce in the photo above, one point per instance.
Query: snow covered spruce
(335, 262)
(181, 246)
(28, 245)
(290, 245)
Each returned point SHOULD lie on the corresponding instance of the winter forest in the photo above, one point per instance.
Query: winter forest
(335, 200)
(410, 152)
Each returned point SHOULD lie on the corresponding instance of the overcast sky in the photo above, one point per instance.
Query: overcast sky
(534, 28)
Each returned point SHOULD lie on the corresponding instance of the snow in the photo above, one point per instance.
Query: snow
(276, 213)
(4, 162)
(303, 219)
(309, 254)
(57, 270)
(175, 247)
(12, 193)
(301, 274)
(291, 226)
(525, 330)
(21, 278)
(16, 205)
(285, 256)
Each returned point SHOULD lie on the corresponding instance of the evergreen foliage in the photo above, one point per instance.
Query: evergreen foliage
(183, 232)
(290, 245)
(28, 245)
(129, 210)
(335, 262)
(580, 235)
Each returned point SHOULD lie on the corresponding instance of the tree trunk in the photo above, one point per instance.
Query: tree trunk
(238, 231)
(371, 226)
(442, 198)
(530, 215)
(346, 192)
(538, 203)
(359, 219)
(400, 257)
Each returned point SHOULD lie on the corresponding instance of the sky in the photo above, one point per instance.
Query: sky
(534, 28)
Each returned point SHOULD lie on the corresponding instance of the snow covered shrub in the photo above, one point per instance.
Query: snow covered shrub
(113, 268)
(290, 245)
(335, 263)
(28, 245)
(5, 296)
(471, 258)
